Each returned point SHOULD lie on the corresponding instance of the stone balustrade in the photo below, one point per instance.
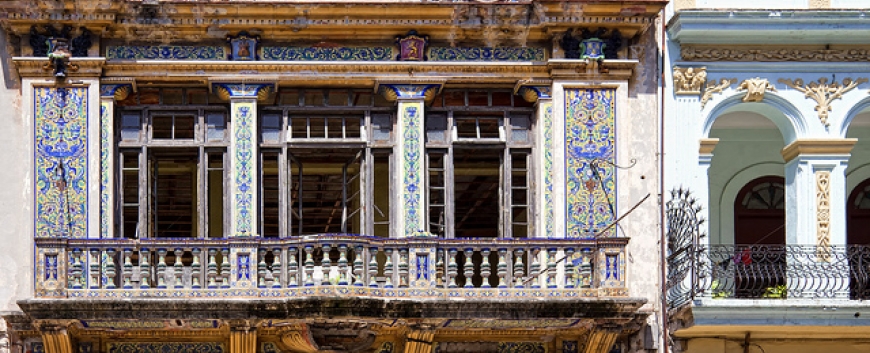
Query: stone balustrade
(331, 265)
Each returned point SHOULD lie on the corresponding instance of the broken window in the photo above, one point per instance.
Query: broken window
(172, 169)
(478, 161)
(325, 164)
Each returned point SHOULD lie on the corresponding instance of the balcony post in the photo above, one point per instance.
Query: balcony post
(109, 94)
(540, 92)
(411, 153)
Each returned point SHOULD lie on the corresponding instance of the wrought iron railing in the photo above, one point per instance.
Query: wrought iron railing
(769, 272)
(331, 265)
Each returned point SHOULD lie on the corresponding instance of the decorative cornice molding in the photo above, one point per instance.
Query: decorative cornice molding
(227, 91)
(689, 80)
(823, 93)
(40, 67)
(712, 87)
(818, 147)
(532, 90)
(755, 88)
(393, 91)
(773, 54)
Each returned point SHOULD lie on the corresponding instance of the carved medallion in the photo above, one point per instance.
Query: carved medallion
(412, 47)
(755, 88)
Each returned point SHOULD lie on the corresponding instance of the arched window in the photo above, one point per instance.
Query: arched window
(858, 239)
(759, 212)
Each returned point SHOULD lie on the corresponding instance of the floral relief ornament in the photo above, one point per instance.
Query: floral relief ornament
(755, 88)
(823, 93)
(688, 81)
(713, 87)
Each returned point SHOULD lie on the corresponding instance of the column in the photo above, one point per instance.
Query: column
(109, 93)
(243, 340)
(700, 183)
(243, 176)
(540, 92)
(815, 217)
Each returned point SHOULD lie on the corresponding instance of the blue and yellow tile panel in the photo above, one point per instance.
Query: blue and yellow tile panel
(328, 54)
(486, 54)
(165, 52)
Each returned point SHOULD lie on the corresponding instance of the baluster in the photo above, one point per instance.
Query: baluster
(452, 268)
(535, 267)
(519, 269)
(225, 268)
(501, 268)
(276, 268)
(342, 264)
(551, 268)
(110, 268)
(128, 269)
(569, 268)
(586, 269)
(403, 268)
(212, 269)
(261, 269)
(373, 267)
(195, 269)
(144, 269)
(75, 270)
(439, 268)
(292, 267)
(388, 268)
(358, 266)
(95, 269)
(326, 266)
(161, 268)
(178, 269)
(485, 270)
(309, 266)
(468, 267)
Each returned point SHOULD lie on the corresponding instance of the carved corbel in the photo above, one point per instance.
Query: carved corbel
(689, 80)
(823, 93)
(713, 87)
(55, 337)
(755, 88)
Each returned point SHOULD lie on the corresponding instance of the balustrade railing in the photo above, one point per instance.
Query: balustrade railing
(769, 272)
(331, 265)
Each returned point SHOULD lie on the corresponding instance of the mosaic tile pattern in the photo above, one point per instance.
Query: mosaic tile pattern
(486, 54)
(165, 52)
(166, 347)
(521, 347)
(61, 160)
(590, 176)
(328, 54)
(105, 168)
(412, 161)
(511, 324)
(548, 168)
(244, 168)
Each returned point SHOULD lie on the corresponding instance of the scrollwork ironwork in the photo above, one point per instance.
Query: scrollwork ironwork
(682, 214)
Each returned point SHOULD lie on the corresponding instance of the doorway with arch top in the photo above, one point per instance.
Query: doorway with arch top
(759, 238)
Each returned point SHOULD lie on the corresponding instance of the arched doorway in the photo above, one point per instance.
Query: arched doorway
(858, 240)
(759, 237)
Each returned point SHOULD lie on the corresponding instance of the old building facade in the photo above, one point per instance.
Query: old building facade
(766, 130)
(332, 176)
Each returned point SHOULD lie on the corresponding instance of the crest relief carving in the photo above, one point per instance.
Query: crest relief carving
(823, 93)
(755, 88)
(689, 80)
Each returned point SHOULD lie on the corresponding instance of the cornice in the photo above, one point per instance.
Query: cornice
(40, 67)
(818, 147)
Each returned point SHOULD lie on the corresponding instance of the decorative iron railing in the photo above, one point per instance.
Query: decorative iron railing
(331, 265)
(770, 272)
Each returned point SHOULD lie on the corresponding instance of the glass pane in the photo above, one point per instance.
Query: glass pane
(184, 127)
(437, 196)
(271, 193)
(175, 193)
(299, 127)
(217, 126)
(161, 127)
(318, 127)
(271, 128)
(130, 127)
(436, 126)
(335, 127)
(353, 127)
(466, 128)
(489, 127)
(382, 195)
(381, 126)
(520, 128)
(215, 195)
(476, 192)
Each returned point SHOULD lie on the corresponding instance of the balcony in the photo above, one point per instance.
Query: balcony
(331, 265)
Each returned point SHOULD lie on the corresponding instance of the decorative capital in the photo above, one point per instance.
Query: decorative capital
(227, 91)
(823, 93)
(116, 91)
(755, 88)
(412, 47)
(688, 80)
(799, 147)
(395, 91)
(532, 90)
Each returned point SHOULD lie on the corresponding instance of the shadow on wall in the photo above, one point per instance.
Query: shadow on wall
(10, 75)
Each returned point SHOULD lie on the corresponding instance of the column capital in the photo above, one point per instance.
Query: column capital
(533, 90)
(246, 90)
(818, 147)
(689, 80)
(116, 90)
(393, 91)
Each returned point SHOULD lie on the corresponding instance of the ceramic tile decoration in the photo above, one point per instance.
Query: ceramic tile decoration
(243, 173)
(106, 135)
(590, 175)
(548, 168)
(165, 52)
(166, 347)
(328, 53)
(521, 347)
(412, 162)
(486, 54)
(61, 160)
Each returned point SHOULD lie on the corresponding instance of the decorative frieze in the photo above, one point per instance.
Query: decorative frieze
(328, 53)
(689, 80)
(165, 52)
(773, 54)
(712, 88)
(823, 93)
(755, 88)
(486, 54)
